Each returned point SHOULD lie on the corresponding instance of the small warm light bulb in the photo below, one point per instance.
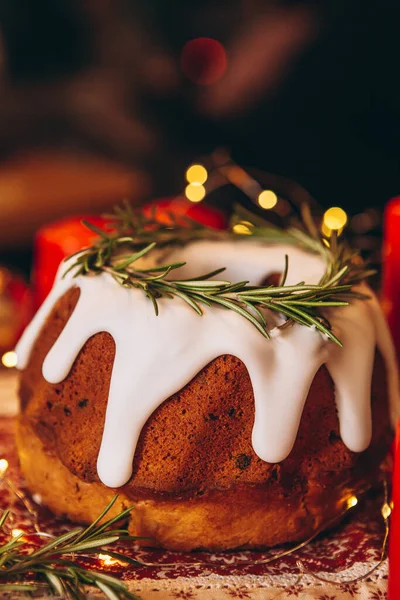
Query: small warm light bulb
(9, 359)
(108, 560)
(17, 532)
(335, 218)
(195, 192)
(386, 511)
(327, 231)
(3, 466)
(352, 501)
(196, 174)
(267, 199)
(241, 229)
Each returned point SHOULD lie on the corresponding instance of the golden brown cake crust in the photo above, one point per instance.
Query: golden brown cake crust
(247, 517)
(194, 453)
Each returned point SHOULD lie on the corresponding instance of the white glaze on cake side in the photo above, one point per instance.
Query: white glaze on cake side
(158, 355)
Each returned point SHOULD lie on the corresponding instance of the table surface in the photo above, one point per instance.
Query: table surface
(340, 556)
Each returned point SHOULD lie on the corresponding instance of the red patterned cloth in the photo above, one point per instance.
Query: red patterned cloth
(341, 556)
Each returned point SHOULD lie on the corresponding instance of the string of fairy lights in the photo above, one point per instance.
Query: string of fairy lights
(334, 218)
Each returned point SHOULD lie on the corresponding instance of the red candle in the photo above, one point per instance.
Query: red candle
(394, 545)
(53, 243)
(391, 269)
(391, 306)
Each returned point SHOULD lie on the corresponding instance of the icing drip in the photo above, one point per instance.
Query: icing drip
(157, 356)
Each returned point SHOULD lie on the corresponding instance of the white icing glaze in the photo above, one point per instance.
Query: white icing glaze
(157, 356)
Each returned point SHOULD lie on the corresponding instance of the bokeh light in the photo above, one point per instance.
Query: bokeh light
(267, 199)
(9, 359)
(3, 466)
(335, 218)
(352, 501)
(17, 532)
(108, 560)
(241, 229)
(195, 192)
(196, 174)
(386, 510)
(327, 231)
(203, 60)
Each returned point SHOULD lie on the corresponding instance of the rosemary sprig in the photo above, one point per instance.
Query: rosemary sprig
(143, 230)
(134, 236)
(52, 567)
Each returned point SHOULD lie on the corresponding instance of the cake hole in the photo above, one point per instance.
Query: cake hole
(274, 474)
(333, 437)
(213, 417)
(67, 411)
(83, 403)
(231, 412)
(49, 405)
(243, 461)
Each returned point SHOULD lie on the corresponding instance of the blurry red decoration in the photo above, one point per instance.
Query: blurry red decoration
(203, 60)
(394, 546)
(391, 306)
(16, 308)
(391, 269)
(56, 241)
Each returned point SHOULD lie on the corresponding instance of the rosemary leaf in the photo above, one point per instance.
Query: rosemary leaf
(95, 229)
(92, 544)
(120, 266)
(107, 591)
(18, 587)
(285, 271)
(186, 298)
(4, 517)
(241, 311)
(55, 583)
(85, 532)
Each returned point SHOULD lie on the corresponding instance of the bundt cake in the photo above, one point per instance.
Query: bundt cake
(219, 437)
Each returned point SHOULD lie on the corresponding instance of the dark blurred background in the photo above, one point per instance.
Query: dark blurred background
(108, 98)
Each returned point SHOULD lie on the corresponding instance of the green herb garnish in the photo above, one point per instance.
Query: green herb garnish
(133, 236)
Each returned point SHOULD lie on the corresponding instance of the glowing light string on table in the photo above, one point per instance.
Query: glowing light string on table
(109, 558)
